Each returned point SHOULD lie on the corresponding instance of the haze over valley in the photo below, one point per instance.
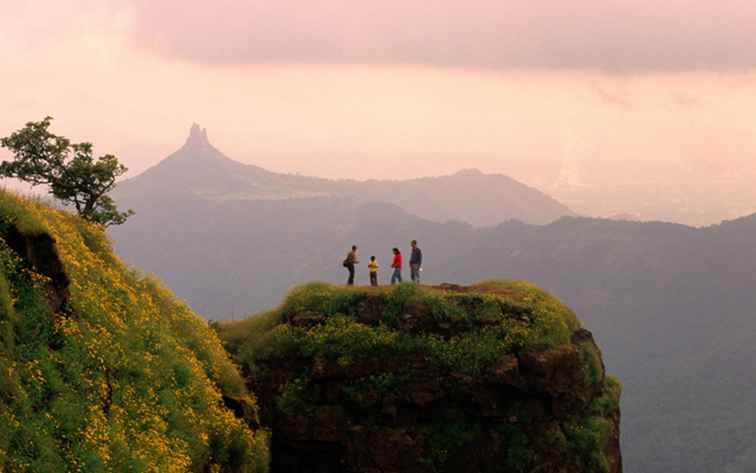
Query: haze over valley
(668, 303)
(579, 178)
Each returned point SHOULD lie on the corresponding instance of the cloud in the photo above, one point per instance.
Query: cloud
(623, 35)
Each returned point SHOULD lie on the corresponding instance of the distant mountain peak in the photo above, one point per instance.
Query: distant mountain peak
(197, 137)
(201, 170)
(469, 172)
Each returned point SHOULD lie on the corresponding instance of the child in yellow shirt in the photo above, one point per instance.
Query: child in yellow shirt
(373, 267)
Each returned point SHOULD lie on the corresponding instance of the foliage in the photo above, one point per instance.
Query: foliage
(366, 391)
(340, 338)
(517, 316)
(470, 353)
(323, 299)
(293, 398)
(588, 439)
(123, 378)
(519, 454)
(517, 293)
(70, 171)
(592, 364)
(445, 438)
(8, 316)
(456, 331)
(246, 335)
(607, 404)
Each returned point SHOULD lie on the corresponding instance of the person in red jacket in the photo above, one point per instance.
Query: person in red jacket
(397, 265)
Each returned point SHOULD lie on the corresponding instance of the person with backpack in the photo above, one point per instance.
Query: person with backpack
(416, 262)
(397, 265)
(349, 263)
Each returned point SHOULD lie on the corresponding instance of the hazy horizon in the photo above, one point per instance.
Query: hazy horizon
(636, 113)
(599, 105)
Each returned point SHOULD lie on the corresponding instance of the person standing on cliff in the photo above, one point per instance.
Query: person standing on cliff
(373, 268)
(416, 262)
(397, 265)
(349, 263)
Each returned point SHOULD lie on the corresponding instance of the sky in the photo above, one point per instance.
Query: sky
(583, 92)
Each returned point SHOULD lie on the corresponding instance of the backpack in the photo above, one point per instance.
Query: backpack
(345, 263)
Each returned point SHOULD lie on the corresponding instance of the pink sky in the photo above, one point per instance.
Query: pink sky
(623, 35)
(392, 88)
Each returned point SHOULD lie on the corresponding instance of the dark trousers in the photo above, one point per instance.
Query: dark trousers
(415, 273)
(350, 268)
(373, 278)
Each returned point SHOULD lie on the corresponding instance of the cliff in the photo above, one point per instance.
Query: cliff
(495, 377)
(102, 369)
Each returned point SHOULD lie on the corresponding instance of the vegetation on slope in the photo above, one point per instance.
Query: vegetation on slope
(495, 317)
(405, 362)
(102, 369)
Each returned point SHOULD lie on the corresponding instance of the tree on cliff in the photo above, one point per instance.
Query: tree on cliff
(70, 171)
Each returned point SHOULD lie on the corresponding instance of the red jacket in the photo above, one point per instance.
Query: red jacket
(397, 261)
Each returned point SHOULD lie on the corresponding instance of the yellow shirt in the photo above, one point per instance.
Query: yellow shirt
(373, 266)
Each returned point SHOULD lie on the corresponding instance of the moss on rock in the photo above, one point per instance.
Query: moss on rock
(498, 376)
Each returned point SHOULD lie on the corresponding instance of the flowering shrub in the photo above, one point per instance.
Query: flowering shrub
(121, 377)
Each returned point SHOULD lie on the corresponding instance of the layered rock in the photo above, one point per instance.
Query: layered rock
(490, 378)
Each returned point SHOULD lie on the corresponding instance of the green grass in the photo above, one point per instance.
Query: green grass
(468, 353)
(490, 319)
(124, 378)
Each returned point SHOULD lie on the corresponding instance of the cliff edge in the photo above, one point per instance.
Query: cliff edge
(495, 377)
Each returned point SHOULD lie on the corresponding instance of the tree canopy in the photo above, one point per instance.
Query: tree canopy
(69, 170)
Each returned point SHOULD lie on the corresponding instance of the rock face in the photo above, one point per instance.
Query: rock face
(498, 377)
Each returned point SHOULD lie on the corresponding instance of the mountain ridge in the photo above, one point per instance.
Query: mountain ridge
(468, 195)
